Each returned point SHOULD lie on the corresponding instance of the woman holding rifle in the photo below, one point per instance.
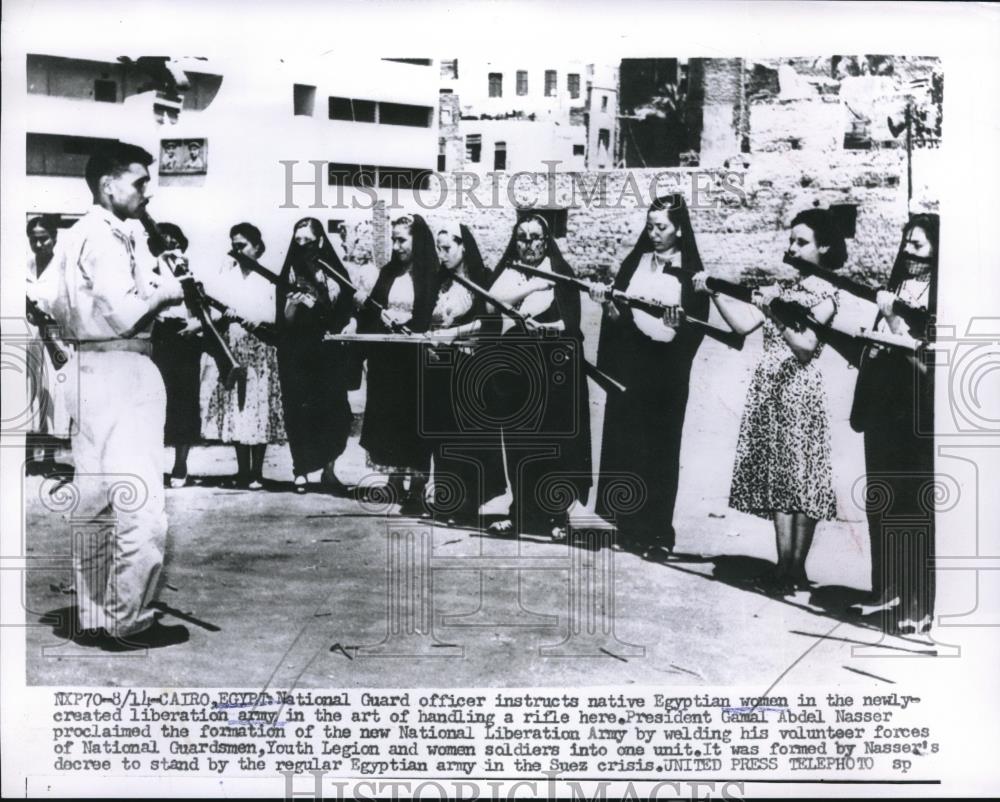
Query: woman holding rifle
(407, 291)
(894, 407)
(641, 444)
(541, 400)
(783, 467)
(177, 352)
(315, 375)
(466, 472)
(259, 421)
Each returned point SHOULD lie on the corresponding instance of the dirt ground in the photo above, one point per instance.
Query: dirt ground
(280, 590)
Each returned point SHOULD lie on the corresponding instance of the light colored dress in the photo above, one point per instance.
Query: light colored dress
(783, 461)
(49, 411)
(261, 420)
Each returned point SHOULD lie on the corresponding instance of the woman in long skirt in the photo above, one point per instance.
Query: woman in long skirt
(541, 398)
(259, 421)
(392, 433)
(894, 407)
(315, 375)
(641, 444)
(468, 469)
(783, 468)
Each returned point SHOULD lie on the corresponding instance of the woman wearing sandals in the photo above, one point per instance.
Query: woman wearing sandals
(783, 466)
(542, 400)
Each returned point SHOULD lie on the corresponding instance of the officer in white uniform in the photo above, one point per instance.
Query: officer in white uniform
(104, 298)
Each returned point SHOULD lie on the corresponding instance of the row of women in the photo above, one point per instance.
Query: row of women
(483, 399)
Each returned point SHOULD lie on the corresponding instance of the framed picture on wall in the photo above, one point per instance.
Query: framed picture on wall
(183, 156)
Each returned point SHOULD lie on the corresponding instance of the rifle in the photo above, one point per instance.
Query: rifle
(230, 371)
(44, 322)
(331, 271)
(917, 319)
(264, 332)
(725, 336)
(798, 317)
(602, 379)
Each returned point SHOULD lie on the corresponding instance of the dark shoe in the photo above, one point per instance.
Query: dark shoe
(155, 636)
(413, 507)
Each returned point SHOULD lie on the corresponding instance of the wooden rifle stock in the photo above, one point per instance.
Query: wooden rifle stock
(345, 282)
(725, 336)
(916, 319)
(230, 371)
(602, 379)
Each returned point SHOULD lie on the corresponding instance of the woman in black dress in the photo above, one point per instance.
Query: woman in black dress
(541, 397)
(468, 469)
(407, 288)
(894, 407)
(641, 444)
(314, 374)
(177, 352)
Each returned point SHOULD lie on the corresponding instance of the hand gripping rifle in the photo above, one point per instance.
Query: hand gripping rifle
(45, 324)
(725, 336)
(917, 319)
(602, 379)
(231, 372)
(332, 272)
(798, 317)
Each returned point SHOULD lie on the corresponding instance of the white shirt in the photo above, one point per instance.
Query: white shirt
(399, 304)
(913, 291)
(535, 303)
(95, 287)
(650, 283)
(249, 295)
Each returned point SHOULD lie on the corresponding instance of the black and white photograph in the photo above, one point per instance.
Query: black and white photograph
(614, 417)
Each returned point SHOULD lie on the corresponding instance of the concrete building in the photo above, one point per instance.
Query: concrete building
(254, 124)
(517, 114)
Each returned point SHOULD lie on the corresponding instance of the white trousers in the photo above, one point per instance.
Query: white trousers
(120, 520)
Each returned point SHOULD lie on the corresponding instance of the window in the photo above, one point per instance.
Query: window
(419, 62)
(304, 100)
(369, 175)
(603, 138)
(522, 82)
(53, 154)
(579, 150)
(473, 148)
(496, 84)
(500, 156)
(105, 91)
(550, 83)
(351, 175)
(359, 111)
(404, 114)
(573, 84)
(604, 102)
(442, 156)
(449, 68)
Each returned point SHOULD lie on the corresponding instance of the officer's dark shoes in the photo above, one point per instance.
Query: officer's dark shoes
(157, 636)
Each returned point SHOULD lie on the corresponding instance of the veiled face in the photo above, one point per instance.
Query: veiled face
(531, 242)
(662, 232)
(918, 245)
(450, 252)
(306, 239)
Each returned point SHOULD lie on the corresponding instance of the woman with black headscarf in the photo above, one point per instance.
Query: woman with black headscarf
(314, 374)
(894, 407)
(540, 396)
(641, 444)
(468, 469)
(407, 288)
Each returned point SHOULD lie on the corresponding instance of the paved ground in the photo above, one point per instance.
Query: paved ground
(287, 590)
